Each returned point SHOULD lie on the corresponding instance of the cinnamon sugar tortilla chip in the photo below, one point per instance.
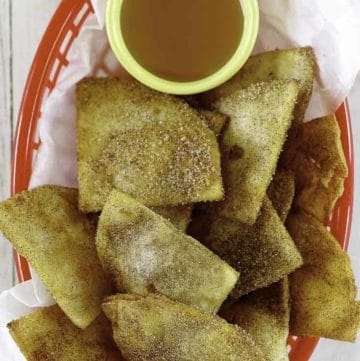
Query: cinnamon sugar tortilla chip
(47, 334)
(45, 226)
(155, 328)
(260, 116)
(264, 314)
(145, 253)
(150, 145)
(281, 192)
(179, 216)
(296, 63)
(316, 157)
(262, 253)
(215, 120)
(323, 290)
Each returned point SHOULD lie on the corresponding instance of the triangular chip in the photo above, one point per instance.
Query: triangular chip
(264, 314)
(48, 334)
(315, 155)
(145, 253)
(215, 120)
(323, 290)
(297, 63)
(157, 329)
(281, 192)
(260, 116)
(45, 226)
(150, 145)
(179, 216)
(263, 253)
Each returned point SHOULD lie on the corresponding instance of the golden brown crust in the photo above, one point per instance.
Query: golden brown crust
(48, 334)
(281, 192)
(263, 253)
(323, 290)
(251, 144)
(45, 226)
(179, 216)
(147, 144)
(315, 155)
(215, 120)
(145, 253)
(297, 63)
(265, 315)
(155, 328)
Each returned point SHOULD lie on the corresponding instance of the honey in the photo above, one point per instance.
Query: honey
(182, 40)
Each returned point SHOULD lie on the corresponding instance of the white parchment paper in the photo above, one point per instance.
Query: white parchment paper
(331, 27)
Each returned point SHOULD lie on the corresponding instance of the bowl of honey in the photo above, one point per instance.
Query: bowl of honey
(182, 46)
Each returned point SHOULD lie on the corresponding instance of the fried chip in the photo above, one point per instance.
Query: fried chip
(323, 290)
(179, 216)
(297, 63)
(281, 192)
(150, 145)
(45, 226)
(145, 253)
(215, 120)
(47, 334)
(263, 253)
(264, 314)
(155, 328)
(316, 157)
(251, 144)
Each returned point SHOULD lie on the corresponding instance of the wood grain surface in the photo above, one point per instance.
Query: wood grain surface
(22, 23)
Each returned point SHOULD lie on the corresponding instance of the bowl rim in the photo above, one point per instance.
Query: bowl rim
(251, 27)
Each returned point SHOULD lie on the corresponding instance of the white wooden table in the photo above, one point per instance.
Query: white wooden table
(22, 23)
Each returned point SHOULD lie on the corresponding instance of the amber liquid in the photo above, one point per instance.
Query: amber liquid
(182, 40)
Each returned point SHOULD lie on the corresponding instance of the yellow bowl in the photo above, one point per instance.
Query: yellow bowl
(251, 27)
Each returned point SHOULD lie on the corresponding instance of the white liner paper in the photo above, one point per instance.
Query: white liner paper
(331, 27)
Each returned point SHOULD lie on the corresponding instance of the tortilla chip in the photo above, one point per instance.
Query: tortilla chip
(145, 253)
(150, 145)
(264, 314)
(215, 120)
(45, 226)
(263, 253)
(155, 328)
(316, 157)
(179, 216)
(251, 144)
(281, 192)
(297, 64)
(323, 290)
(48, 334)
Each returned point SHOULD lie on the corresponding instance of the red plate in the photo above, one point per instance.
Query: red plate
(51, 59)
